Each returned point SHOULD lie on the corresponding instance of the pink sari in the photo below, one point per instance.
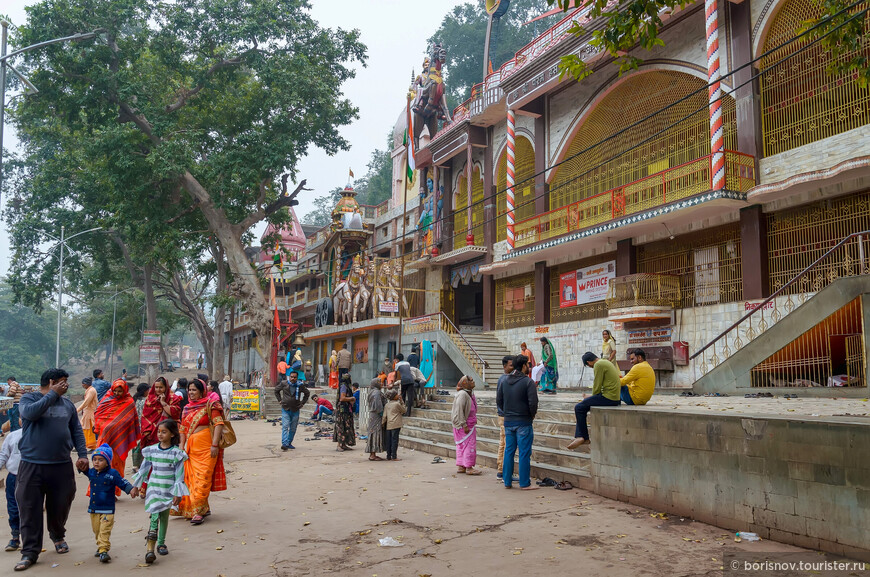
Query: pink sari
(466, 443)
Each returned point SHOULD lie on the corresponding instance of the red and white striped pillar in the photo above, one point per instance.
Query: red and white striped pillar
(509, 193)
(717, 136)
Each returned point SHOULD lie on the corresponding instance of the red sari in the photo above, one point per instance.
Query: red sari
(116, 423)
(153, 414)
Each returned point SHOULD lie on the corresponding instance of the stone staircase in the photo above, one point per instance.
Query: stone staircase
(491, 349)
(430, 430)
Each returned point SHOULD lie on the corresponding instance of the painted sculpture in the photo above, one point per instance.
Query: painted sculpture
(430, 100)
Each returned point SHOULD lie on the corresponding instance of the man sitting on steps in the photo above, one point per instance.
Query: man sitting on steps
(605, 393)
(640, 382)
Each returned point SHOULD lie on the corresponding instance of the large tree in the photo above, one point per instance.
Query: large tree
(219, 98)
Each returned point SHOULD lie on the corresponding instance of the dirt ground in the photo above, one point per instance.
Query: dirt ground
(315, 511)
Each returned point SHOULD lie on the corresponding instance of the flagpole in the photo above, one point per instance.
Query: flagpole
(410, 151)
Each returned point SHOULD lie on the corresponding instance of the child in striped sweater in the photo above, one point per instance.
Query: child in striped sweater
(164, 461)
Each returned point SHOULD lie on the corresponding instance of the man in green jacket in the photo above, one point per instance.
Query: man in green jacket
(605, 393)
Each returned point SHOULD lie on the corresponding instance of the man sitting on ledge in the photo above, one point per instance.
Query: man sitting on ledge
(639, 383)
(605, 393)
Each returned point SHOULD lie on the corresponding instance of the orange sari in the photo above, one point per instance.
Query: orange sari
(202, 472)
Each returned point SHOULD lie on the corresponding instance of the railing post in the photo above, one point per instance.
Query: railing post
(861, 251)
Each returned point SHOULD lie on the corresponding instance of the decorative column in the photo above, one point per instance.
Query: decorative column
(717, 137)
(509, 193)
(469, 170)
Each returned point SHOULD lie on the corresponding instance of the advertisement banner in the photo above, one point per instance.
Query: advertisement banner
(568, 289)
(149, 354)
(593, 282)
(150, 337)
(246, 400)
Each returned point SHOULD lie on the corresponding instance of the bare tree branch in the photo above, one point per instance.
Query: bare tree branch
(283, 201)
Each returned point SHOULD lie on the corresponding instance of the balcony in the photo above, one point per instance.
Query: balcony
(644, 289)
(657, 190)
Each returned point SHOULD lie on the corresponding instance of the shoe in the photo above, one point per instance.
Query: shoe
(162, 550)
(97, 554)
(290, 447)
(284, 447)
(13, 545)
(105, 557)
(150, 557)
(499, 475)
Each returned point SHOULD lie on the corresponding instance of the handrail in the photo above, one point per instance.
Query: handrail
(780, 291)
(446, 318)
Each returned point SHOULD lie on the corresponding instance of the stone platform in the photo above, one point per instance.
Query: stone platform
(793, 470)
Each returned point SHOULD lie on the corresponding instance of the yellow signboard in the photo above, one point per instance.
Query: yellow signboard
(246, 400)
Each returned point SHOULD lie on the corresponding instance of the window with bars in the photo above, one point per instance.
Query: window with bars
(798, 237)
(666, 140)
(524, 189)
(515, 301)
(460, 214)
(801, 102)
(709, 264)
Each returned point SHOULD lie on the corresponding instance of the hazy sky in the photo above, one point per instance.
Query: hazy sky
(395, 32)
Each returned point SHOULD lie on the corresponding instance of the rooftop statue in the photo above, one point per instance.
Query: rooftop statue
(430, 100)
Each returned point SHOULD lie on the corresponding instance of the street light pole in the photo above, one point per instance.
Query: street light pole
(59, 300)
(5, 25)
(112, 358)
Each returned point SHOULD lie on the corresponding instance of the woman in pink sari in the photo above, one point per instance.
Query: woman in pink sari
(464, 417)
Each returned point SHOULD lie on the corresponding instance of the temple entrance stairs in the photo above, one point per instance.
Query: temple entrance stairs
(431, 430)
(491, 350)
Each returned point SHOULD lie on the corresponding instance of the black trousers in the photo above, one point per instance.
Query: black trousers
(392, 442)
(52, 487)
(408, 392)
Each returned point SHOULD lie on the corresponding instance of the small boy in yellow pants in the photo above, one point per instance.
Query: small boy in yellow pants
(103, 480)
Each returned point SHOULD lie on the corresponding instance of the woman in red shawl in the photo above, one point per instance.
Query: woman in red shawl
(160, 404)
(116, 423)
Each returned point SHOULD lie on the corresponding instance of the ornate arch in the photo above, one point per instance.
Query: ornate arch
(524, 169)
(664, 140)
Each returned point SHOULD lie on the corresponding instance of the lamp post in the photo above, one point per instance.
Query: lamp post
(61, 243)
(4, 25)
(114, 314)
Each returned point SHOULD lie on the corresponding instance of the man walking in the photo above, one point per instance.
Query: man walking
(292, 395)
(100, 384)
(409, 376)
(605, 393)
(46, 478)
(15, 391)
(517, 400)
(226, 391)
(507, 364)
(345, 359)
(86, 410)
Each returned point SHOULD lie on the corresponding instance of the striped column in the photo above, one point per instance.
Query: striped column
(717, 136)
(509, 193)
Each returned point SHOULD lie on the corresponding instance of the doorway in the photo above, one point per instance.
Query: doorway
(468, 304)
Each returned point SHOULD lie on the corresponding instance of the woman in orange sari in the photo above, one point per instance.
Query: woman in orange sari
(116, 424)
(204, 469)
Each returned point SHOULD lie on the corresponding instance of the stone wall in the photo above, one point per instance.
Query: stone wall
(804, 482)
(815, 156)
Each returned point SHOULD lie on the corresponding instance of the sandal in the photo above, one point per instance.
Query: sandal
(61, 547)
(564, 486)
(197, 520)
(375, 458)
(547, 482)
(24, 564)
(469, 471)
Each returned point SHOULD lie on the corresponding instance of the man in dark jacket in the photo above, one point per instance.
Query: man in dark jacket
(517, 400)
(345, 361)
(292, 395)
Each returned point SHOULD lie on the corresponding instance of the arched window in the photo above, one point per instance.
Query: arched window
(668, 139)
(460, 204)
(524, 189)
(800, 101)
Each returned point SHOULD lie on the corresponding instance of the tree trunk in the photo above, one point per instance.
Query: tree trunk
(246, 286)
(217, 370)
(150, 315)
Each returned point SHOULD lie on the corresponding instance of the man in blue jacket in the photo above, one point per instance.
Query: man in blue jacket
(101, 385)
(46, 479)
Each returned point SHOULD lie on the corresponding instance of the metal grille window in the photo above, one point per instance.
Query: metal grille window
(460, 215)
(798, 237)
(596, 310)
(524, 190)
(611, 164)
(708, 263)
(515, 301)
(800, 101)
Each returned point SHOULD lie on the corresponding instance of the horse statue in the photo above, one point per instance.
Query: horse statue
(430, 101)
(394, 289)
(362, 302)
(345, 293)
(382, 285)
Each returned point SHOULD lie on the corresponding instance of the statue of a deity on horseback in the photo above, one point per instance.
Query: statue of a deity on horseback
(430, 100)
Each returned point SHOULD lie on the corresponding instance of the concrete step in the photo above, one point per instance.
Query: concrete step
(547, 435)
(577, 477)
(489, 412)
(541, 454)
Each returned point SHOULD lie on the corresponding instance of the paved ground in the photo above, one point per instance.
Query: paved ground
(314, 511)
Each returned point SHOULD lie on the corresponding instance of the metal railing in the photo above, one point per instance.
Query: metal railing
(643, 289)
(441, 322)
(852, 261)
(688, 179)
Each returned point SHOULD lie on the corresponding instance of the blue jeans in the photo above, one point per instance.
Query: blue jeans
(518, 435)
(13, 418)
(289, 422)
(320, 412)
(581, 410)
(12, 506)
(625, 396)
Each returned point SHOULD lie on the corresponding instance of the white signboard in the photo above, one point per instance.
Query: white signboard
(388, 306)
(149, 354)
(593, 281)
